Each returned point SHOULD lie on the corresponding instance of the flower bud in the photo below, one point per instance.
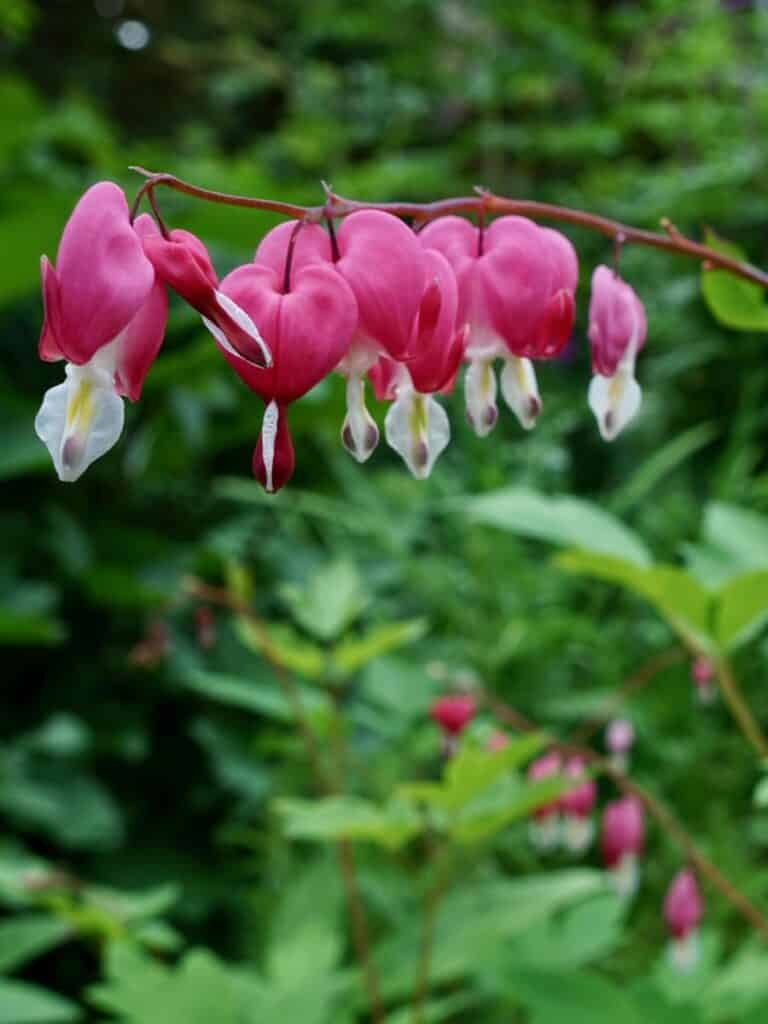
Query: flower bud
(545, 826)
(619, 740)
(703, 674)
(576, 806)
(683, 910)
(453, 714)
(621, 840)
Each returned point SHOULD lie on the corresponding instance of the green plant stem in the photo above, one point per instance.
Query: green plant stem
(426, 943)
(738, 706)
(664, 817)
(326, 783)
(481, 204)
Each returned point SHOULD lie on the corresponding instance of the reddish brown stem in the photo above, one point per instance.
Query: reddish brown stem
(338, 206)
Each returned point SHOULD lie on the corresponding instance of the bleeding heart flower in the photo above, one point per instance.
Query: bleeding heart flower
(576, 806)
(619, 740)
(416, 425)
(617, 329)
(516, 283)
(105, 313)
(182, 262)
(308, 329)
(683, 910)
(453, 714)
(544, 828)
(622, 837)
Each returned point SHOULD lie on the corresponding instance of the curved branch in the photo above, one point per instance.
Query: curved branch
(485, 202)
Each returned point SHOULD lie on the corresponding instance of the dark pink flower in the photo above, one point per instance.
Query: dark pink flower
(622, 838)
(105, 313)
(308, 329)
(617, 329)
(453, 714)
(683, 908)
(577, 805)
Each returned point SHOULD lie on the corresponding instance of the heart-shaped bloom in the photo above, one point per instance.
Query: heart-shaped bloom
(577, 805)
(307, 329)
(516, 283)
(617, 329)
(416, 425)
(105, 314)
(182, 262)
(453, 714)
(544, 828)
(622, 837)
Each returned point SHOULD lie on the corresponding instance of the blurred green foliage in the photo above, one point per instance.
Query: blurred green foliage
(161, 857)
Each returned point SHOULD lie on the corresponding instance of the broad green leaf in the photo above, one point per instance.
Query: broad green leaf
(354, 652)
(589, 997)
(28, 629)
(739, 533)
(733, 301)
(257, 695)
(24, 938)
(484, 817)
(474, 770)
(282, 644)
(330, 600)
(742, 608)
(675, 593)
(22, 1003)
(349, 817)
(584, 933)
(568, 521)
(738, 986)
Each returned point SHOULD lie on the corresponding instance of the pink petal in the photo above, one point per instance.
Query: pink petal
(312, 246)
(103, 274)
(308, 330)
(48, 346)
(437, 347)
(140, 343)
(382, 261)
(385, 374)
(616, 317)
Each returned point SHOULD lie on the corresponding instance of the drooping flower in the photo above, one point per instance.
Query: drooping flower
(622, 838)
(619, 740)
(703, 674)
(454, 713)
(307, 328)
(617, 329)
(576, 806)
(544, 828)
(683, 910)
(416, 425)
(516, 283)
(182, 262)
(105, 314)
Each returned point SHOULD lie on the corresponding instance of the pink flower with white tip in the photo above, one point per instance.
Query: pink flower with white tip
(416, 425)
(703, 675)
(307, 316)
(621, 840)
(576, 806)
(619, 740)
(105, 314)
(683, 910)
(617, 329)
(516, 283)
(544, 828)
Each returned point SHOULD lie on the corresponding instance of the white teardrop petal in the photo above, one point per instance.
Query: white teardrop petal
(521, 391)
(480, 396)
(268, 435)
(79, 421)
(418, 429)
(244, 321)
(614, 401)
(359, 433)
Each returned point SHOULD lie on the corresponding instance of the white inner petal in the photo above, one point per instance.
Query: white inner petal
(480, 396)
(626, 876)
(268, 436)
(615, 400)
(418, 429)
(359, 433)
(520, 390)
(242, 319)
(81, 419)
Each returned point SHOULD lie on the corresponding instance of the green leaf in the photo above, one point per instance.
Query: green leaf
(589, 997)
(21, 1003)
(742, 609)
(675, 593)
(473, 770)
(331, 599)
(733, 301)
(283, 645)
(256, 695)
(24, 938)
(349, 817)
(354, 652)
(483, 818)
(738, 533)
(568, 521)
(23, 629)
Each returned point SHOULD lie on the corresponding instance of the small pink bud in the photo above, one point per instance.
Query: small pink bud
(544, 828)
(622, 837)
(453, 714)
(498, 740)
(619, 736)
(703, 674)
(576, 806)
(683, 911)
